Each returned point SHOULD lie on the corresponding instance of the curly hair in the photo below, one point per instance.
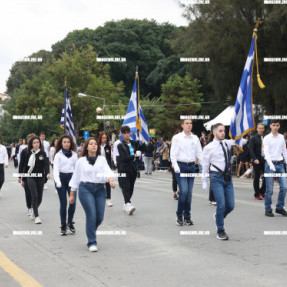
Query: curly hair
(72, 144)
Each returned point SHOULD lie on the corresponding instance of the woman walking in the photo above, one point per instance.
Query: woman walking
(91, 173)
(64, 165)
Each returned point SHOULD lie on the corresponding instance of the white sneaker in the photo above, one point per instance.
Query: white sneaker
(32, 216)
(109, 203)
(45, 186)
(30, 212)
(130, 209)
(93, 248)
(38, 220)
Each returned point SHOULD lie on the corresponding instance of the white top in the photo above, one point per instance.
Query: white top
(51, 154)
(85, 172)
(3, 155)
(115, 151)
(63, 164)
(13, 151)
(103, 150)
(46, 146)
(274, 148)
(185, 148)
(21, 148)
(213, 154)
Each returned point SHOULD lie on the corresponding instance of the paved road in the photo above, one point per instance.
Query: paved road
(152, 252)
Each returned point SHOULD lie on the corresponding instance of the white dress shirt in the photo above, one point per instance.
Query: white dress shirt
(185, 149)
(274, 148)
(63, 164)
(85, 172)
(115, 151)
(51, 154)
(213, 154)
(103, 150)
(21, 148)
(46, 146)
(3, 155)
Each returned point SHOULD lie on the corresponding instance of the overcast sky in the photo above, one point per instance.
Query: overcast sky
(28, 26)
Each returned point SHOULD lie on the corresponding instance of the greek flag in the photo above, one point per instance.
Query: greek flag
(242, 120)
(135, 118)
(69, 128)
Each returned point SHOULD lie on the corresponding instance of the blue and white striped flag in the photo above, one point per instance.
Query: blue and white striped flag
(69, 117)
(131, 117)
(242, 120)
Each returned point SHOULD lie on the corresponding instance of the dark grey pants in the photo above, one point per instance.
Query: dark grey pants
(36, 185)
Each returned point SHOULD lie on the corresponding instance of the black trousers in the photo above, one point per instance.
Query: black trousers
(36, 185)
(258, 168)
(2, 175)
(127, 185)
(108, 190)
(28, 196)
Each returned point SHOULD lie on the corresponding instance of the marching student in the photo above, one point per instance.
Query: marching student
(185, 149)
(21, 148)
(37, 166)
(257, 155)
(274, 151)
(64, 165)
(3, 162)
(129, 151)
(216, 161)
(46, 147)
(21, 170)
(91, 173)
(115, 152)
(106, 151)
(52, 150)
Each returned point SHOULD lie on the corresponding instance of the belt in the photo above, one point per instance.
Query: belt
(187, 163)
(278, 162)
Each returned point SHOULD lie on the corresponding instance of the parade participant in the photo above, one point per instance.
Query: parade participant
(46, 147)
(64, 165)
(115, 152)
(185, 149)
(148, 157)
(37, 166)
(274, 151)
(52, 150)
(106, 151)
(28, 196)
(129, 151)
(21, 148)
(91, 173)
(216, 161)
(257, 155)
(3, 162)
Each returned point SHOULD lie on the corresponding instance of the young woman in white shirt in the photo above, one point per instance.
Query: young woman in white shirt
(91, 173)
(64, 164)
(52, 150)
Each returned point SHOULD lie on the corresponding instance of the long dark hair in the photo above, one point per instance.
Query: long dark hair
(72, 144)
(85, 147)
(30, 144)
(53, 142)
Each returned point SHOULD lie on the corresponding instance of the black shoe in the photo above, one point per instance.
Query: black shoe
(269, 213)
(63, 230)
(179, 220)
(281, 211)
(222, 235)
(257, 197)
(175, 196)
(187, 221)
(71, 227)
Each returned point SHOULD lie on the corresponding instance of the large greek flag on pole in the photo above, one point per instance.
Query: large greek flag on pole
(135, 118)
(69, 128)
(242, 120)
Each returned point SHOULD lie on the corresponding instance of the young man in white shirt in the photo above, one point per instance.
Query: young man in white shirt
(3, 162)
(185, 149)
(216, 161)
(274, 151)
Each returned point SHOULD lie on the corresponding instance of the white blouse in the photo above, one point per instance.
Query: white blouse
(85, 172)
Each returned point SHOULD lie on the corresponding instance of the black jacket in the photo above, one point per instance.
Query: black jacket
(22, 160)
(149, 150)
(41, 164)
(125, 160)
(108, 151)
(255, 146)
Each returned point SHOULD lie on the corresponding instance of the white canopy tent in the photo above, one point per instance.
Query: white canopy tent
(225, 116)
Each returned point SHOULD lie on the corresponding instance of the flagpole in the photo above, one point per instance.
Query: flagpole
(65, 108)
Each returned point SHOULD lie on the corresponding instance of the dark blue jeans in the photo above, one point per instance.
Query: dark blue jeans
(269, 187)
(62, 193)
(185, 190)
(224, 197)
(93, 199)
